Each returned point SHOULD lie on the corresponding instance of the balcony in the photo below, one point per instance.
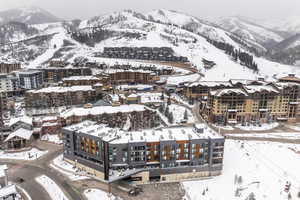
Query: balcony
(232, 110)
(294, 103)
(263, 110)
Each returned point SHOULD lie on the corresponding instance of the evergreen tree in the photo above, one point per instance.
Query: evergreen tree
(167, 111)
(171, 118)
(185, 115)
(169, 100)
(162, 97)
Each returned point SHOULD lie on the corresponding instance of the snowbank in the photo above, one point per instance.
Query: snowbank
(51, 187)
(95, 194)
(263, 127)
(32, 154)
(52, 138)
(66, 168)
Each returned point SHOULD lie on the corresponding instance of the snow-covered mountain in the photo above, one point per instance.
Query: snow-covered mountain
(289, 24)
(249, 30)
(186, 35)
(28, 15)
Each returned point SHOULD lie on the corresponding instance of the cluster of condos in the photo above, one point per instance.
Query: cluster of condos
(143, 53)
(242, 101)
(165, 155)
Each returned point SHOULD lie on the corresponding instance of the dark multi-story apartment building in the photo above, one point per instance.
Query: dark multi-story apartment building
(143, 53)
(81, 80)
(166, 155)
(132, 116)
(56, 74)
(130, 76)
(31, 79)
(6, 68)
(59, 96)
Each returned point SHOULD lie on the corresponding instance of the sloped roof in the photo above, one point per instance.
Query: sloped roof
(8, 190)
(21, 133)
(221, 92)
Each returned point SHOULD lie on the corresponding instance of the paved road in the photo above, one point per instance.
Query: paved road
(29, 170)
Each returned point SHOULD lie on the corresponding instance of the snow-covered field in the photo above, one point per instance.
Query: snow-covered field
(263, 127)
(261, 168)
(96, 194)
(178, 114)
(32, 154)
(52, 138)
(51, 187)
(66, 168)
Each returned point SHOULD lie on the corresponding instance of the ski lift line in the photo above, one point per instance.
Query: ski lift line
(275, 165)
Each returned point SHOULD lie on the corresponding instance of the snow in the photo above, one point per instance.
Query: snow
(275, 135)
(150, 97)
(264, 167)
(52, 138)
(181, 100)
(63, 89)
(21, 133)
(178, 113)
(8, 190)
(2, 170)
(296, 127)
(32, 154)
(58, 40)
(51, 187)
(249, 30)
(229, 128)
(176, 80)
(95, 194)
(67, 169)
(103, 109)
(263, 127)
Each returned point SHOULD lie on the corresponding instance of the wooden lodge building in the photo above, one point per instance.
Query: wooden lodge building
(57, 74)
(255, 101)
(59, 96)
(81, 80)
(6, 68)
(117, 77)
(131, 117)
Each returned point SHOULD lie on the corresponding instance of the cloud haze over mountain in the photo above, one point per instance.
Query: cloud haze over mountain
(70, 9)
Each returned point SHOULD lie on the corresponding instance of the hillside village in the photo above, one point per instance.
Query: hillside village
(119, 116)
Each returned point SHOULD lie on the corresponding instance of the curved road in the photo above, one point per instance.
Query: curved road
(29, 170)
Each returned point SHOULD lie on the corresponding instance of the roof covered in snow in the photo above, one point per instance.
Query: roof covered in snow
(260, 88)
(81, 78)
(63, 89)
(21, 133)
(211, 84)
(221, 92)
(103, 109)
(117, 136)
(25, 119)
(8, 190)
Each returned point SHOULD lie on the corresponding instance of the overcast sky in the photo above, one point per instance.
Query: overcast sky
(70, 9)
